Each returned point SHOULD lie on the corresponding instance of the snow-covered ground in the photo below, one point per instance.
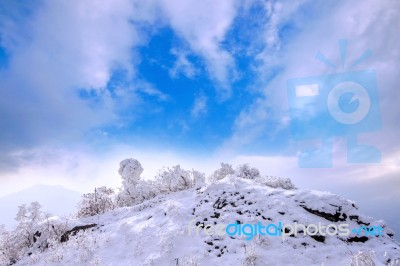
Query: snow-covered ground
(163, 231)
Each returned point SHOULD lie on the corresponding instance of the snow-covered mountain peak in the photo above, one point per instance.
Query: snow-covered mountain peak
(215, 225)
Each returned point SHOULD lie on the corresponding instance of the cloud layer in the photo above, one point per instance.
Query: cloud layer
(73, 71)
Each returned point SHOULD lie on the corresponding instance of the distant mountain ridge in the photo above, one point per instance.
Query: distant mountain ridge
(54, 199)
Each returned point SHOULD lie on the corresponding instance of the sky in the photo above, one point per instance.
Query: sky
(86, 84)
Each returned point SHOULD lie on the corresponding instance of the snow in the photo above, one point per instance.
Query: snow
(155, 232)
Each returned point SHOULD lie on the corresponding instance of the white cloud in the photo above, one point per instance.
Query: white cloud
(58, 48)
(67, 45)
(204, 24)
(149, 89)
(368, 25)
(76, 43)
(182, 65)
(199, 107)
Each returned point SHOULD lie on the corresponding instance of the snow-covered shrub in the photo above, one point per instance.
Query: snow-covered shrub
(80, 249)
(45, 231)
(31, 234)
(137, 193)
(54, 227)
(98, 202)
(87, 244)
(198, 178)
(9, 253)
(247, 172)
(275, 182)
(174, 179)
(134, 190)
(187, 261)
(145, 190)
(363, 258)
(225, 170)
(54, 254)
(261, 241)
(35, 232)
(250, 255)
(28, 218)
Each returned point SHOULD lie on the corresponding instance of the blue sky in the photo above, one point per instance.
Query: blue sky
(85, 84)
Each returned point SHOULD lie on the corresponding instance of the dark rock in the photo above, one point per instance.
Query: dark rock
(357, 239)
(74, 231)
(216, 215)
(36, 236)
(318, 238)
(357, 220)
(219, 204)
(200, 224)
(337, 217)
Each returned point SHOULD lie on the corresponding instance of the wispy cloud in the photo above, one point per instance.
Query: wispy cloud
(65, 46)
(199, 107)
(149, 89)
(182, 65)
(204, 29)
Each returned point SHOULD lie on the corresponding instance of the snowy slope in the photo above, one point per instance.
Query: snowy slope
(156, 232)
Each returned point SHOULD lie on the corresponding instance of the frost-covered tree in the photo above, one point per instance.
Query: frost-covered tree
(98, 202)
(247, 172)
(29, 214)
(198, 178)
(137, 193)
(225, 170)
(14, 244)
(276, 182)
(28, 218)
(134, 190)
(130, 171)
(364, 258)
(9, 252)
(175, 179)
